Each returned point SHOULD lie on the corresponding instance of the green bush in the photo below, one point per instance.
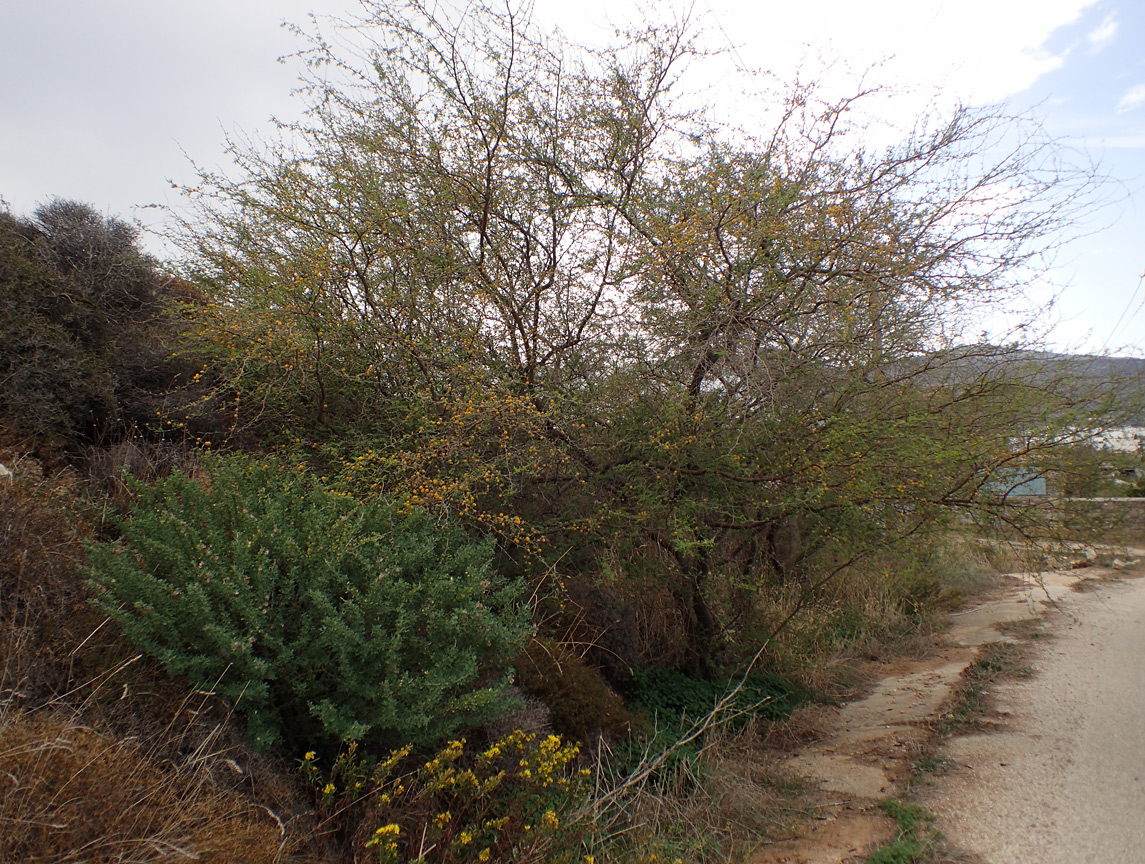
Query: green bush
(674, 697)
(579, 700)
(672, 701)
(319, 617)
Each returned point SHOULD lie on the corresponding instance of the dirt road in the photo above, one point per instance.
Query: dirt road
(1059, 776)
(1063, 777)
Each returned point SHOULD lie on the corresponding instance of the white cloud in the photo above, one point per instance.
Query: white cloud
(1134, 98)
(1110, 142)
(1103, 34)
(974, 51)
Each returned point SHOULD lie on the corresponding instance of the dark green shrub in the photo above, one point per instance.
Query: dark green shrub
(580, 703)
(319, 617)
(671, 696)
(94, 347)
(671, 701)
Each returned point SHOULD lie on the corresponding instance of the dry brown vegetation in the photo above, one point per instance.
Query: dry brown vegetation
(71, 793)
(102, 757)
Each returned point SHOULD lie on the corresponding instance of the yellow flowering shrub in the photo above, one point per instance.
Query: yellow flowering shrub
(509, 801)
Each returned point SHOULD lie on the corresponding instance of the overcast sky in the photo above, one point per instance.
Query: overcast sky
(106, 101)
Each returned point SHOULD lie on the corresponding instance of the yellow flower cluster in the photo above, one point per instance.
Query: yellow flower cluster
(533, 783)
(552, 756)
(385, 840)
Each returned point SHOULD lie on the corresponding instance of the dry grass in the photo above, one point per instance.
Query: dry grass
(889, 605)
(43, 610)
(70, 793)
(717, 806)
(971, 702)
(152, 784)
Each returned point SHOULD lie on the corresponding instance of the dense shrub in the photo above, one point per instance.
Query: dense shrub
(321, 618)
(670, 703)
(598, 618)
(673, 697)
(93, 346)
(580, 703)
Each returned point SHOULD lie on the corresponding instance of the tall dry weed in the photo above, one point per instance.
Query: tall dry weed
(44, 613)
(70, 793)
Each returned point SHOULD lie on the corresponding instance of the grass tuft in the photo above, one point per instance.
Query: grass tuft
(970, 702)
(916, 839)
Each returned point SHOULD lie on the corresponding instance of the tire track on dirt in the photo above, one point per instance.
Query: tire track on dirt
(1063, 777)
(870, 744)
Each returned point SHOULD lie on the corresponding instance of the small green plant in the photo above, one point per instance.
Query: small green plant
(916, 837)
(319, 617)
(926, 766)
(929, 764)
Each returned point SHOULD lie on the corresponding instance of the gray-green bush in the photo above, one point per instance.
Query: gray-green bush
(318, 616)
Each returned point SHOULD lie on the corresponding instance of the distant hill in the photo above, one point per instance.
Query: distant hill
(1091, 379)
(1124, 377)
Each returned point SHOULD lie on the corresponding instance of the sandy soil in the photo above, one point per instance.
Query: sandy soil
(1063, 779)
(869, 745)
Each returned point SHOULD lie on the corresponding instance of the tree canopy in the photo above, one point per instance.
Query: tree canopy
(516, 280)
(92, 341)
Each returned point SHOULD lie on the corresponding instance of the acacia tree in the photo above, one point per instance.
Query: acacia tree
(512, 278)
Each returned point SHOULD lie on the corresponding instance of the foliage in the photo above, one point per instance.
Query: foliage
(916, 838)
(318, 617)
(90, 331)
(1092, 472)
(511, 280)
(674, 697)
(512, 801)
(670, 703)
(579, 701)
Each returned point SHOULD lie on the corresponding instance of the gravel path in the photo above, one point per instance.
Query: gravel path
(1063, 779)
